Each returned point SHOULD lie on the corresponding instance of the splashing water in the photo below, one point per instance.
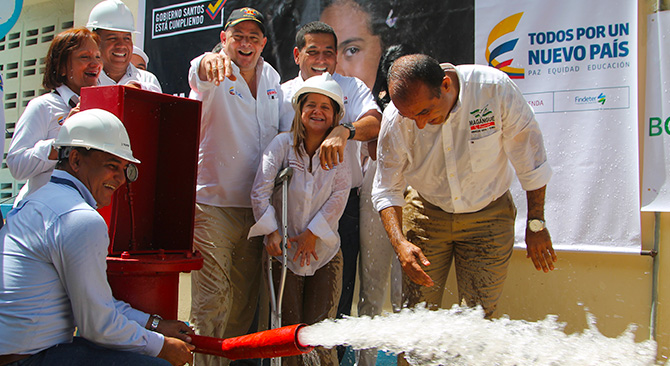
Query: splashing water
(461, 336)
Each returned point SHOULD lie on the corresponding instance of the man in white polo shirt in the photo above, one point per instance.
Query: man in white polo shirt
(451, 134)
(114, 23)
(241, 96)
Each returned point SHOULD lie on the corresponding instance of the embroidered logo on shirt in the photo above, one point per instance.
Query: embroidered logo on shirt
(346, 100)
(482, 122)
(272, 94)
(60, 120)
(233, 92)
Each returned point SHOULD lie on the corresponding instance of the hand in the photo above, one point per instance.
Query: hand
(273, 243)
(73, 111)
(540, 250)
(215, 67)
(176, 329)
(176, 351)
(332, 148)
(306, 247)
(134, 84)
(409, 256)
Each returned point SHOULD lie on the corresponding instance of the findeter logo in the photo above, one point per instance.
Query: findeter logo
(601, 98)
(506, 26)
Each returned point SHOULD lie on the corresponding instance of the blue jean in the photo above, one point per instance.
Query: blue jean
(83, 352)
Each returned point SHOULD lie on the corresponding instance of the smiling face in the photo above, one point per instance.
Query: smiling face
(359, 51)
(243, 43)
(317, 56)
(83, 66)
(102, 173)
(317, 114)
(117, 49)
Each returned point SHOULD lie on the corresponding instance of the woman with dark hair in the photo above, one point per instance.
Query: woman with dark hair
(73, 61)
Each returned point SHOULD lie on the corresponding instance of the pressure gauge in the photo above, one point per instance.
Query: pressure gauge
(131, 172)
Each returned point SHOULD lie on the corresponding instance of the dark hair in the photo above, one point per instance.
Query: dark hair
(316, 27)
(389, 56)
(410, 69)
(65, 151)
(59, 53)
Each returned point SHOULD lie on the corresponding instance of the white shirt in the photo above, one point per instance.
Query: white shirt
(358, 100)
(53, 251)
(316, 200)
(462, 165)
(145, 78)
(235, 128)
(37, 128)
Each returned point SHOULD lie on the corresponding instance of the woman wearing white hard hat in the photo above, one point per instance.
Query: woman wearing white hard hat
(72, 62)
(316, 200)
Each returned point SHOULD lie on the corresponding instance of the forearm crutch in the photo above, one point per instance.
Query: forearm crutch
(283, 179)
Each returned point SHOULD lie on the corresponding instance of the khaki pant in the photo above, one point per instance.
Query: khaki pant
(224, 293)
(309, 300)
(480, 244)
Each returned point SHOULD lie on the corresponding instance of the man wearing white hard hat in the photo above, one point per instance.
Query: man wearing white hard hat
(115, 25)
(53, 250)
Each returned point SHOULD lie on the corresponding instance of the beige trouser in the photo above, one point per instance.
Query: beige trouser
(309, 300)
(480, 244)
(224, 293)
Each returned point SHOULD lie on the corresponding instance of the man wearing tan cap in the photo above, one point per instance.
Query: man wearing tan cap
(241, 97)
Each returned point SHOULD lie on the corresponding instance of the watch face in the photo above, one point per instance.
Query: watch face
(131, 172)
(535, 225)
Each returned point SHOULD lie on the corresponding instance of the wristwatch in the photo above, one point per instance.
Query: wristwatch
(536, 225)
(155, 320)
(352, 130)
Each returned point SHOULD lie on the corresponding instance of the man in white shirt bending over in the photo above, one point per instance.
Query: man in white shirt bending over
(451, 133)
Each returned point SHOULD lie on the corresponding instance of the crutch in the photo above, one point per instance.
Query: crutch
(283, 179)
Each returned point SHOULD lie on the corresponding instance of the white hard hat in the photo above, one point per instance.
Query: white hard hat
(96, 129)
(111, 15)
(138, 51)
(322, 84)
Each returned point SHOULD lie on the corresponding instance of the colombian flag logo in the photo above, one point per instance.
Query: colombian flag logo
(506, 26)
(213, 10)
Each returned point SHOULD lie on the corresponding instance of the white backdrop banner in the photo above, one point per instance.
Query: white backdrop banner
(576, 63)
(656, 174)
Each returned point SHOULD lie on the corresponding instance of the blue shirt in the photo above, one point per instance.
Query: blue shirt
(53, 277)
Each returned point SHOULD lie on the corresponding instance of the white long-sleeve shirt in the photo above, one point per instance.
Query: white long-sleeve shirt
(38, 126)
(316, 200)
(148, 80)
(463, 164)
(358, 100)
(53, 251)
(235, 128)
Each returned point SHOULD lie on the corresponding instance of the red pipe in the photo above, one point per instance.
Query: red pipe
(280, 342)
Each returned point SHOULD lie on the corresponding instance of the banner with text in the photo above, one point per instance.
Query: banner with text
(576, 64)
(656, 163)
